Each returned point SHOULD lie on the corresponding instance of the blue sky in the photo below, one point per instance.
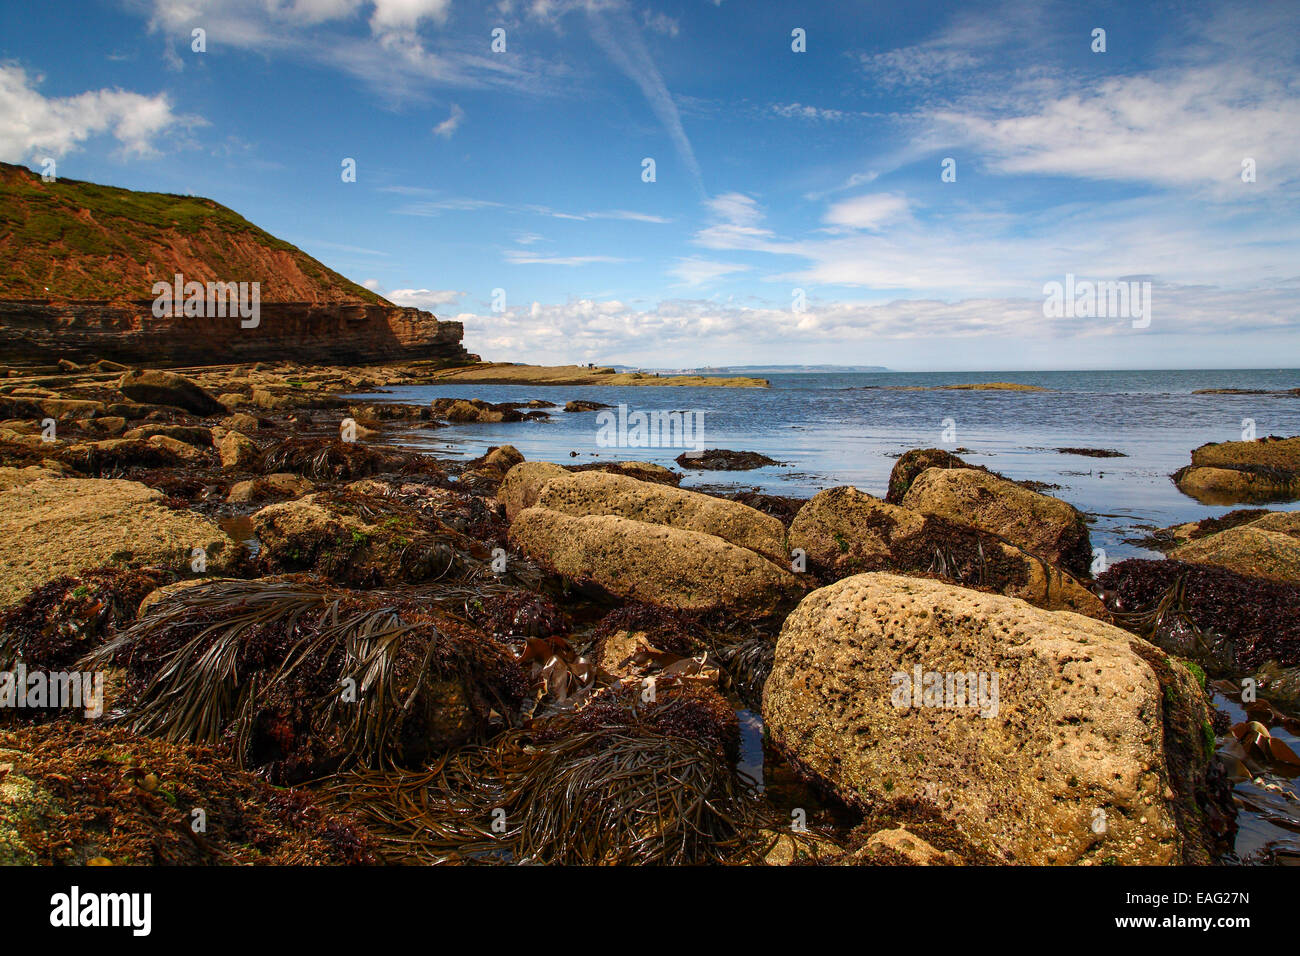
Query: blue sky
(775, 170)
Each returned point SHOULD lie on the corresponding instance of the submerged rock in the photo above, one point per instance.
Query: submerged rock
(1267, 469)
(1079, 743)
(721, 459)
(1041, 524)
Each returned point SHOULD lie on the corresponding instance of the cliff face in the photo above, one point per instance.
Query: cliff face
(78, 263)
(312, 333)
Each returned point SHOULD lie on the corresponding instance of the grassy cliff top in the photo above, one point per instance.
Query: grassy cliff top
(77, 240)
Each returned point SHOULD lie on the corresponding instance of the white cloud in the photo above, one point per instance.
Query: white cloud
(694, 271)
(1173, 128)
(674, 331)
(33, 125)
(800, 111)
(451, 123)
(394, 57)
(404, 14)
(735, 209)
(429, 299)
(867, 212)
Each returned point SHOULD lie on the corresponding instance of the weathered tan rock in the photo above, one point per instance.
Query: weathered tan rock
(13, 477)
(503, 458)
(54, 527)
(1268, 547)
(72, 408)
(1041, 524)
(1086, 724)
(237, 450)
(154, 386)
(1281, 453)
(182, 450)
(108, 424)
(913, 463)
(190, 434)
(670, 567)
(265, 399)
(909, 846)
(523, 483)
(240, 421)
(1231, 472)
(278, 485)
(845, 531)
(597, 493)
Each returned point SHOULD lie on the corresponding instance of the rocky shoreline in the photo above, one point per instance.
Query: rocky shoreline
(334, 649)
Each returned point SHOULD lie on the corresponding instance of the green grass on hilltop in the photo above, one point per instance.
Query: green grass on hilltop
(88, 241)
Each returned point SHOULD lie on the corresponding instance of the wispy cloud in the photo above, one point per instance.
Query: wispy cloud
(694, 271)
(617, 34)
(435, 207)
(521, 257)
(449, 126)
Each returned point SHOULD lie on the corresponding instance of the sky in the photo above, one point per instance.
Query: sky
(833, 183)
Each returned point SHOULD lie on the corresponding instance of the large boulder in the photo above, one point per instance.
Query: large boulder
(599, 493)
(1268, 547)
(1231, 472)
(524, 482)
(156, 387)
(844, 531)
(1041, 524)
(656, 564)
(913, 463)
(1079, 742)
(54, 527)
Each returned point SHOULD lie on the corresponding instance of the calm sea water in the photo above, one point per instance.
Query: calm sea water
(828, 430)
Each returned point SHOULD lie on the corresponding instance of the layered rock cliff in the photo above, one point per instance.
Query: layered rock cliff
(78, 264)
(331, 333)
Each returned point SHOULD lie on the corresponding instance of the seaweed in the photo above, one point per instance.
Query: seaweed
(330, 459)
(113, 797)
(300, 680)
(606, 785)
(63, 619)
(1227, 622)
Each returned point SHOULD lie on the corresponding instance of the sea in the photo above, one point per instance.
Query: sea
(829, 429)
